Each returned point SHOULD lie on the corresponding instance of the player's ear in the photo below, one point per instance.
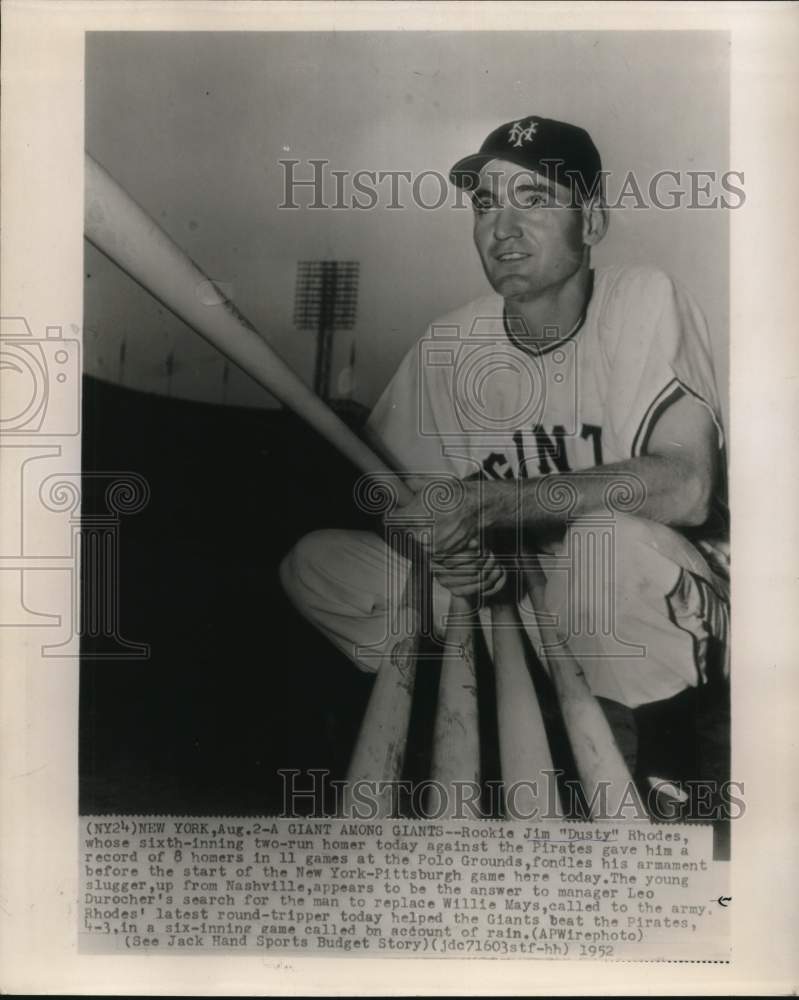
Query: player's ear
(595, 220)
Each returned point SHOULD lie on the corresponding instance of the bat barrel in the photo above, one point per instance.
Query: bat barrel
(456, 733)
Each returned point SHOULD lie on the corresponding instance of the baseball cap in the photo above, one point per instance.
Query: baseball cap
(555, 149)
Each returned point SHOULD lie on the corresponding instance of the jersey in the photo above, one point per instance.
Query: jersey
(474, 395)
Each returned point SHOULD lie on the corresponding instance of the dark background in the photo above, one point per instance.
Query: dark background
(237, 685)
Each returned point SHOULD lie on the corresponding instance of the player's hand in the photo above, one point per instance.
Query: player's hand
(453, 530)
(469, 572)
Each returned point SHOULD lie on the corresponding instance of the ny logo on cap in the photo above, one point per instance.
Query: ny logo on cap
(518, 135)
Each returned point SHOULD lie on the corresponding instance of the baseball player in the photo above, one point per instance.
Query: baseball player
(570, 375)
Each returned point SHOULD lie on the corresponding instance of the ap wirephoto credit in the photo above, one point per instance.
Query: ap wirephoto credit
(382, 488)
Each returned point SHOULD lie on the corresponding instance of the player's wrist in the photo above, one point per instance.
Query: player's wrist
(499, 504)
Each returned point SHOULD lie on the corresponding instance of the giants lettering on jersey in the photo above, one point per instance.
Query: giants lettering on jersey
(539, 452)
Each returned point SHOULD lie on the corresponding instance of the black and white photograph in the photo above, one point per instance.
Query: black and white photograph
(376, 483)
(510, 282)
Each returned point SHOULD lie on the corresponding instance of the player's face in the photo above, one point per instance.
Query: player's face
(529, 238)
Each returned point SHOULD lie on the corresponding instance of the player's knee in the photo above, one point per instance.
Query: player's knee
(632, 550)
(646, 557)
(613, 571)
(302, 563)
(630, 536)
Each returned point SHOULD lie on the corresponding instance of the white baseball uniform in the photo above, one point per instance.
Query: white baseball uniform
(474, 397)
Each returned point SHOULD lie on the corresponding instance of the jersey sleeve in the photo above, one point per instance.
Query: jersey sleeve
(413, 418)
(662, 352)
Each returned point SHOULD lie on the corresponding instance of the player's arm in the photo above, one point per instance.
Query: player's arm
(674, 479)
(673, 483)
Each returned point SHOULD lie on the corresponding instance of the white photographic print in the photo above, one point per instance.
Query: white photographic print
(377, 469)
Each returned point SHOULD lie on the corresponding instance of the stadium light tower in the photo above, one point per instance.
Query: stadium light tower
(326, 300)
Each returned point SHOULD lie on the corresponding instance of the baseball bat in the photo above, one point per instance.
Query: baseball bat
(456, 731)
(528, 773)
(604, 775)
(379, 751)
